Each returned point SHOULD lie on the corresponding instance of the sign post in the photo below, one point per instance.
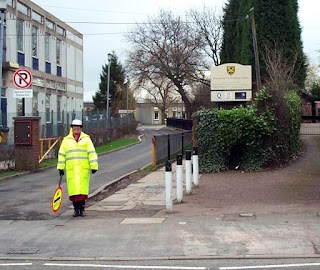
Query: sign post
(22, 79)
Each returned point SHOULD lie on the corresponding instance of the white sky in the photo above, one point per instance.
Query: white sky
(100, 39)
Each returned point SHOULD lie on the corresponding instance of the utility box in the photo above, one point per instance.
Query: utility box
(23, 132)
(26, 141)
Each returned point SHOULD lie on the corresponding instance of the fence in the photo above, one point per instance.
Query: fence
(185, 124)
(55, 124)
(164, 147)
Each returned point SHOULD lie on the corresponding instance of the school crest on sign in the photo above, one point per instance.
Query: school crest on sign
(231, 70)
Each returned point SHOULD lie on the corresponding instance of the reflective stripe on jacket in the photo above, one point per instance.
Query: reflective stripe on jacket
(77, 159)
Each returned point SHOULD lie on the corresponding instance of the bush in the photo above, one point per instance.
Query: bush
(249, 137)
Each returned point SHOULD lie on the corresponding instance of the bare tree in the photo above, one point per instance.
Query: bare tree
(161, 94)
(280, 70)
(166, 47)
(312, 74)
(208, 24)
(279, 80)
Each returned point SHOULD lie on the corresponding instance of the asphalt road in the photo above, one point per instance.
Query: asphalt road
(28, 196)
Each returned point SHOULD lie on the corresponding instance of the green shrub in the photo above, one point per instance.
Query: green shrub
(249, 138)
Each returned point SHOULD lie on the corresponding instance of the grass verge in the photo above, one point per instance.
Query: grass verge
(114, 145)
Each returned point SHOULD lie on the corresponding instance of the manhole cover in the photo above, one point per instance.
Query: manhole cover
(27, 250)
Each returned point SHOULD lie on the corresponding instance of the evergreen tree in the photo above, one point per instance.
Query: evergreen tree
(117, 78)
(276, 24)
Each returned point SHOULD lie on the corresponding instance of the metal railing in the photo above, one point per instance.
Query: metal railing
(165, 147)
(185, 124)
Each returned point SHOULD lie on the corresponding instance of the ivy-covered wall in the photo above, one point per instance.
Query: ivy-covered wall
(251, 137)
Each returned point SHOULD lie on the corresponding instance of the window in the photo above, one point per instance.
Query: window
(19, 35)
(156, 115)
(59, 71)
(48, 68)
(48, 111)
(19, 107)
(59, 109)
(35, 104)
(35, 63)
(47, 47)
(50, 84)
(58, 51)
(61, 86)
(61, 31)
(21, 59)
(34, 41)
(23, 8)
(49, 24)
(37, 17)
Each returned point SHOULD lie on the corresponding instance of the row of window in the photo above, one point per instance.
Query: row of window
(34, 41)
(48, 83)
(39, 18)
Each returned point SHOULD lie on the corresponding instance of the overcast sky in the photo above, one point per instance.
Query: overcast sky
(100, 39)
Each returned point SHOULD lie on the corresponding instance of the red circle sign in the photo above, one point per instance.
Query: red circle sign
(22, 78)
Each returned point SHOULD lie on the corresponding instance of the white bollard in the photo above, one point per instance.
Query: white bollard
(188, 172)
(179, 179)
(195, 164)
(169, 202)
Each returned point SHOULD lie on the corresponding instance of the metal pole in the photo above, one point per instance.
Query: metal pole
(255, 49)
(108, 91)
(1, 57)
(127, 102)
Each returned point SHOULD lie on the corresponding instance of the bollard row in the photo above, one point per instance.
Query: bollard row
(191, 166)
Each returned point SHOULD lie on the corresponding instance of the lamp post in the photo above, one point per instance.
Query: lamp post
(108, 88)
(255, 48)
(127, 99)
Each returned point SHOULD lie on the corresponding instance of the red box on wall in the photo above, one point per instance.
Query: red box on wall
(23, 132)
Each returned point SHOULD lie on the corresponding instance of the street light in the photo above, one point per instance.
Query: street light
(108, 88)
(127, 85)
(255, 48)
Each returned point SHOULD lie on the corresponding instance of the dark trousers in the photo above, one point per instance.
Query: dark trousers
(79, 205)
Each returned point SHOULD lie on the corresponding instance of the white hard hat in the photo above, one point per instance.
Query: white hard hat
(76, 122)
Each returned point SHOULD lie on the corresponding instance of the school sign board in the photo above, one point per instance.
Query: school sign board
(231, 82)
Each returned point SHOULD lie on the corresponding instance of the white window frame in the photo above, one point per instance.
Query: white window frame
(156, 116)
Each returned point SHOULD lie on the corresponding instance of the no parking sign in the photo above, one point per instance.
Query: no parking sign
(22, 78)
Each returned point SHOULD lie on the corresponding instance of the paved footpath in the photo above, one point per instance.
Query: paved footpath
(133, 224)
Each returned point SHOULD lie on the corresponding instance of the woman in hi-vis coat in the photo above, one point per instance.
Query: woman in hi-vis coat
(78, 157)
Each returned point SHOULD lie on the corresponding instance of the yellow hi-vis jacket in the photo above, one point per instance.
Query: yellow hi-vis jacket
(77, 159)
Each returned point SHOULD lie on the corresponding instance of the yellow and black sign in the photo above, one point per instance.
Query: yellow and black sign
(231, 70)
(57, 199)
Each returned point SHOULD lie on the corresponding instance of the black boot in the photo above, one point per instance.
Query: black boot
(82, 212)
(76, 212)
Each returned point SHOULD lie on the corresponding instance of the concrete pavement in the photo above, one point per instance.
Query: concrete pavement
(132, 224)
